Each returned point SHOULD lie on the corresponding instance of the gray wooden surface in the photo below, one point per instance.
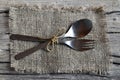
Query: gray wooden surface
(113, 33)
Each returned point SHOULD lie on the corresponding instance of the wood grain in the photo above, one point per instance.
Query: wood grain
(113, 26)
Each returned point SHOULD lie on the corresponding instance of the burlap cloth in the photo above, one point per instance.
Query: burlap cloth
(44, 22)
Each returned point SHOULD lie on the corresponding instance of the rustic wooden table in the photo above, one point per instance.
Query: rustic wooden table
(112, 31)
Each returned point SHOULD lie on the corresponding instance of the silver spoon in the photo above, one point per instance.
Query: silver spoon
(77, 29)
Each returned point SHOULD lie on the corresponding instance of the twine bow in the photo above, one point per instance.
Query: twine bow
(44, 43)
(54, 40)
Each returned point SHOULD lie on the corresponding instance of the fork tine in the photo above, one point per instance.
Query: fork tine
(86, 40)
(80, 44)
(85, 49)
(87, 45)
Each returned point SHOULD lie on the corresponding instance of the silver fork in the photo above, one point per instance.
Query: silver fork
(76, 44)
(79, 44)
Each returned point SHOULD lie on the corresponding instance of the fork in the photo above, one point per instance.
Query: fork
(76, 44)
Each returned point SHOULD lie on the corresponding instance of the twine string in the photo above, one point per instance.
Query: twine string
(55, 39)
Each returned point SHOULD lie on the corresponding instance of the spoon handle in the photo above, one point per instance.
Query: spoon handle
(26, 38)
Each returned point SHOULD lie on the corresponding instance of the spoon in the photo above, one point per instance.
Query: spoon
(78, 29)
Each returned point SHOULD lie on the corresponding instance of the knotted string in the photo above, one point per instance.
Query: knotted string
(55, 39)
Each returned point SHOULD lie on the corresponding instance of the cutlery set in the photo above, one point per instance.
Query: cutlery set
(70, 38)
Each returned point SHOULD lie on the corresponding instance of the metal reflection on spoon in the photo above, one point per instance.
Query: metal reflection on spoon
(79, 28)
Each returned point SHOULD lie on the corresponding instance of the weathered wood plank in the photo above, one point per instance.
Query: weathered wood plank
(4, 41)
(108, 4)
(5, 70)
(114, 43)
(116, 60)
(113, 19)
(113, 23)
(114, 40)
(6, 73)
(53, 77)
(4, 36)
(4, 44)
(114, 70)
(3, 20)
(4, 56)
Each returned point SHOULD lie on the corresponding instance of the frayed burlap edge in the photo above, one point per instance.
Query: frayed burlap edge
(97, 10)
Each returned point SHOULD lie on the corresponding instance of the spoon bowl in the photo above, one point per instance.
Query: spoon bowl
(79, 28)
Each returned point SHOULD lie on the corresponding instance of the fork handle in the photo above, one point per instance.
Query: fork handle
(26, 38)
(31, 50)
